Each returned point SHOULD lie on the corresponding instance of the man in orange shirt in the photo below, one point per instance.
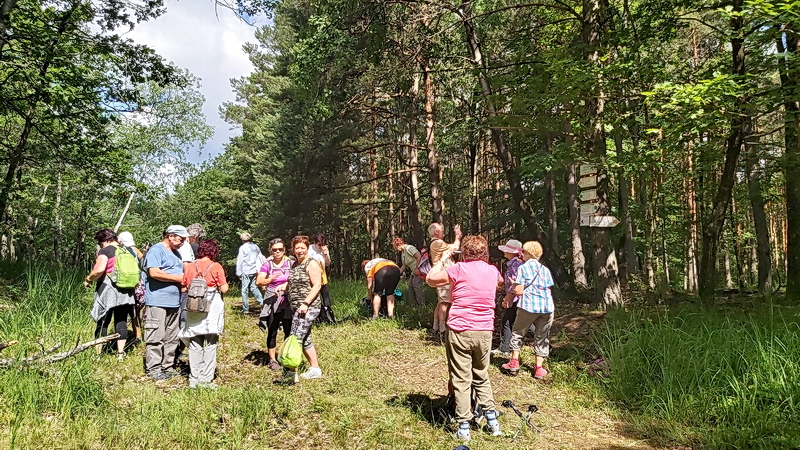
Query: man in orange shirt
(438, 248)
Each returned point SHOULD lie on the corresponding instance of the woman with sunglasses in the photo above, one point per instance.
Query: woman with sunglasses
(274, 274)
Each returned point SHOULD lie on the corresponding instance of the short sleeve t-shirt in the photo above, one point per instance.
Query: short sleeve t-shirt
(161, 293)
(215, 276)
(186, 252)
(474, 287)
(110, 252)
(409, 258)
(438, 247)
(537, 280)
(376, 265)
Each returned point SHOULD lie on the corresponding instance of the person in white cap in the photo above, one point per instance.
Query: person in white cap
(512, 251)
(162, 297)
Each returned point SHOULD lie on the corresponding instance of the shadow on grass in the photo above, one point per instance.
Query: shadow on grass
(258, 357)
(436, 409)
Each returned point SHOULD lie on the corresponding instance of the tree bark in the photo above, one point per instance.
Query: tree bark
(760, 224)
(712, 228)
(434, 168)
(550, 210)
(790, 73)
(576, 242)
(412, 199)
(607, 288)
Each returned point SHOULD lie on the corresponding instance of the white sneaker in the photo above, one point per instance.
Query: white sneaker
(313, 373)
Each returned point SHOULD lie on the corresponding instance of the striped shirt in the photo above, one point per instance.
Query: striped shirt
(537, 280)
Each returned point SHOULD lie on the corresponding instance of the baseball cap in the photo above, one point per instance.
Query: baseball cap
(512, 246)
(126, 238)
(177, 230)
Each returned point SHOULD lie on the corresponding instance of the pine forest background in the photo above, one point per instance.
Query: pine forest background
(370, 119)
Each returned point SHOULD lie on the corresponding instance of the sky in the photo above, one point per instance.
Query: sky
(207, 41)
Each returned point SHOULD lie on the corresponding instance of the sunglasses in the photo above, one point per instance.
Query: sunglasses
(276, 250)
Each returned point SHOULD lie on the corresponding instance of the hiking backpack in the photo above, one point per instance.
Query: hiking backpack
(126, 273)
(424, 263)
(197, 292)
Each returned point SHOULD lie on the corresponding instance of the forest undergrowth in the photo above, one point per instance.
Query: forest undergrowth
(705, 379)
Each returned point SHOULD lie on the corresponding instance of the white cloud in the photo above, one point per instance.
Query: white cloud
(207, 41)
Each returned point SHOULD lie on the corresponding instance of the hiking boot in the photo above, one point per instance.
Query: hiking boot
(312, 373)
(463, 434)
(511, 367)
(539, 373)
(274, 365)
(159, 376)
(492, 425)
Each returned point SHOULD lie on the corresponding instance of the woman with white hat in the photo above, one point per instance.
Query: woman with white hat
(512, 251)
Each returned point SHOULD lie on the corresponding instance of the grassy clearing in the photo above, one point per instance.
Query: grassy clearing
(384, 382)
(721, 379)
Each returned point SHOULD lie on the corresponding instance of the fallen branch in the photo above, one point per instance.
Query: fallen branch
(5, 345)
(44, 356)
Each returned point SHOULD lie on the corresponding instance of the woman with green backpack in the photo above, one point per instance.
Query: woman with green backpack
(112, 299)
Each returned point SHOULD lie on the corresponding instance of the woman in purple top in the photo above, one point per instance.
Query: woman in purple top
(275, 313)
(513, 253)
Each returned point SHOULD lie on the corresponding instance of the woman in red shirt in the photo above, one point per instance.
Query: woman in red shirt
(202, 329)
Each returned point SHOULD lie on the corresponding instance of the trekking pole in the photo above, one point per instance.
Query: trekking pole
(525, 419)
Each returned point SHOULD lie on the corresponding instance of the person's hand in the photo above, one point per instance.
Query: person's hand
(302, 310)
(457, 231)
(325, 251)
(86, 284)
(506, 304)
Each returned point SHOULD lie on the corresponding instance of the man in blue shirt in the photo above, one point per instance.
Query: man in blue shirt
(164, 274)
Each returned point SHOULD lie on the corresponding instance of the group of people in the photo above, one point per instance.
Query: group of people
(464, 314)
(293, 297)
(295, 291)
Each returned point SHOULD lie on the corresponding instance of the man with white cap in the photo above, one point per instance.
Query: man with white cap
(513, 253)
(164, 270)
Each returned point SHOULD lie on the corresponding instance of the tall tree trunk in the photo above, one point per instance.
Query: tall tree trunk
(693, 242)
(629, 262)
(434, 168)
(372, 217)
(576, 242)
(58, 230)
(550, 210)
(390, 197)
(790, 79)
(417, 235)
(760, 224)
(607, 288)
(474, 203)
(726, 263)
(738, 252)
(80, 238)
(712, 228)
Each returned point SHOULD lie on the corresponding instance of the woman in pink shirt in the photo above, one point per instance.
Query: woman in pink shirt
(469, 329)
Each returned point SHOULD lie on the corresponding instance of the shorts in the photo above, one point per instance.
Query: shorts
(386, 280)
(444, 294)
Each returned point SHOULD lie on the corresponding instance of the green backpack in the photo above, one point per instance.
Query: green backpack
(126, 269)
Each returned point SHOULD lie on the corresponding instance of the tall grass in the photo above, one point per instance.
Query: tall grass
(710, 378)
(50, 306)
